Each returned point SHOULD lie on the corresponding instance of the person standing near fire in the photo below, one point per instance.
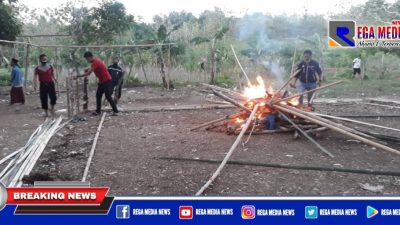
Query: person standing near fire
(105, 85)
(309, 75)
(44, 72)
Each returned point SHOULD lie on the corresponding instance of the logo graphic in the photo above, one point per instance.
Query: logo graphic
(185, 212)
(342, 33)
(123, 212)
(311, 212)
(371, 212)
(248, 212)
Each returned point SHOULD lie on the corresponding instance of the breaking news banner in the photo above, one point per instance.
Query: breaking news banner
(200, 112)
(78, 203)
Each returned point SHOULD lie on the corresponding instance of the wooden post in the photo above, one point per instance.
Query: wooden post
(141, 64)
(28, 46)
(56, 67)
(68, 96)
(85, 94)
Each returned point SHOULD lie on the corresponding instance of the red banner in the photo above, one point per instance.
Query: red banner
(56, 196)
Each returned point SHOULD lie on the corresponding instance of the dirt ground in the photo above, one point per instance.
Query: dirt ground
(130, 145)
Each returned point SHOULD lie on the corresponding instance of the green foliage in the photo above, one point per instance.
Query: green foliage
(10, 26)
(132, 81)
(5, 77)
(224, 80)
(110, 19)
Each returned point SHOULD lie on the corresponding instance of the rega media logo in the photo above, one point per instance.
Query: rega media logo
(342, 33)
(345, 34)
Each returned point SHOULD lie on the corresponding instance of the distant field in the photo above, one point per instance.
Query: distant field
(389, 86)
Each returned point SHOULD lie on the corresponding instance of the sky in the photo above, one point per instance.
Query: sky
(146, 9)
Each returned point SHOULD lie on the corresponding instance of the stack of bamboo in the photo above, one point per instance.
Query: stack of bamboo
(22, 161)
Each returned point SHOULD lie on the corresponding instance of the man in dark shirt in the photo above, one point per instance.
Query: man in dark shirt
(105, 81)
(310, 76)
(117, 74)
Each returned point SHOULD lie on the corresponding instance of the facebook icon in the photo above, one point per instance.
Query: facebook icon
(123, 212)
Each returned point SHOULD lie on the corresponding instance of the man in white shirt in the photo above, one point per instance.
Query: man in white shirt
(357, 66)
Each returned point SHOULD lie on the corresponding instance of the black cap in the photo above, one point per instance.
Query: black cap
(87, 54)
(14, 60)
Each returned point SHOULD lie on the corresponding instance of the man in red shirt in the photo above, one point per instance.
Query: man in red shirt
(104, 81)
(45, 73)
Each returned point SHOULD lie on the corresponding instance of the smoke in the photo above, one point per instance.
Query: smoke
(261, 50)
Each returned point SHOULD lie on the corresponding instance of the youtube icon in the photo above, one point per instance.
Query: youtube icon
(185, 212)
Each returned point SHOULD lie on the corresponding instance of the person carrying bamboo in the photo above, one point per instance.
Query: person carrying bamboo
(44, 72)
(310, 76)
(104, 81)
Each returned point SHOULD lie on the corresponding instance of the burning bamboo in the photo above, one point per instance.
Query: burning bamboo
(235, 103)
(306, 92)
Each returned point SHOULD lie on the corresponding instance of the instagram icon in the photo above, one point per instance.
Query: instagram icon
(248, 212)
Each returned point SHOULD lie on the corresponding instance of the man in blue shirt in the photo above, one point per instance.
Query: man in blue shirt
(17, 82)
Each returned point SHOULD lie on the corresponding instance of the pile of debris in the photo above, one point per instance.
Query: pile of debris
(22, 161)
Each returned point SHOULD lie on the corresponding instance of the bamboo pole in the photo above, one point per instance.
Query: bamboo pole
(240, 65)
(230, 92)
(106, 46)
(17, 42)
(331, 123)
(85, 94)
(27, 62)
(285, 84)
(230, 152)
(89, 161)
(233, 102)
(307, 136)
(335, 128)
(306, 92)
(214, 121)
(68, 96)
(293, 167)
(355, 121)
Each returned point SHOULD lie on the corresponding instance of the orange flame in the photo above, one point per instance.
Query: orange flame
(294, 101)
(255, 91)
(239, 120)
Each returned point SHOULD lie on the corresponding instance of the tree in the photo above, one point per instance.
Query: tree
(216, 37)
(161, 35)
(110, 20)
(10, 26)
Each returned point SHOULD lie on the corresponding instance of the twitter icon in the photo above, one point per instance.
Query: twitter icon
(311, 212)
